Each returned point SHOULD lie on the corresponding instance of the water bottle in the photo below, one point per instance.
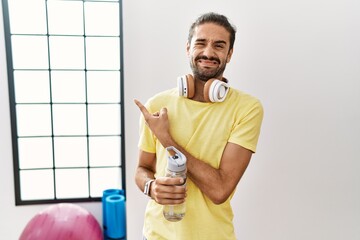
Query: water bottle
(176, 168)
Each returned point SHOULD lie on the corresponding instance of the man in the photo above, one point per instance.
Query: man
(218, 138)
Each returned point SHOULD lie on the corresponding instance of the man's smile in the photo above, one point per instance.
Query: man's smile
(208, 63)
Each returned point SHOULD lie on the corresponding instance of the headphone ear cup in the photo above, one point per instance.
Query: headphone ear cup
(207, 89)
(191, 85)
(215, 90)
(186, 86)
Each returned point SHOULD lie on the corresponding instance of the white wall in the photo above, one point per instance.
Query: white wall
(302, 59)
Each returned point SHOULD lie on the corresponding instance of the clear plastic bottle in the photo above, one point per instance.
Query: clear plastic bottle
(176, 168)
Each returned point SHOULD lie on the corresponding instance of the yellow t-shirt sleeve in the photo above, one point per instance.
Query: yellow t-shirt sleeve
(246, 131)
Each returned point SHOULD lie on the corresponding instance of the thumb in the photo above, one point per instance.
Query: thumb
(163, 111)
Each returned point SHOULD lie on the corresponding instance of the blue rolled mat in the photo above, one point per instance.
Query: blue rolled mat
(115, 216)
(107, 193)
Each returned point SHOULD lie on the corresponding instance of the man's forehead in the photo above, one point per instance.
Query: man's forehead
(212, 32)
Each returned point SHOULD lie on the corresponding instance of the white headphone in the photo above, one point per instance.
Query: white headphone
(215, 90)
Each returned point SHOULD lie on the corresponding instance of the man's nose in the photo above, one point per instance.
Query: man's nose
(208, 51)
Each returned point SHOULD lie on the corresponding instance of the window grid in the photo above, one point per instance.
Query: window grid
(90, 106)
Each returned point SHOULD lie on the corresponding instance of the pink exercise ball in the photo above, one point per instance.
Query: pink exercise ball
(63, 221)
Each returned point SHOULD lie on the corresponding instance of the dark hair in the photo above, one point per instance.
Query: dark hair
(218, 19)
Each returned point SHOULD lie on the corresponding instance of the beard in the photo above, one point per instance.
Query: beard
(205, 74)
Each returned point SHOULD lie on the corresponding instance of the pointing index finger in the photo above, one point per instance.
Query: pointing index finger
(141, 107)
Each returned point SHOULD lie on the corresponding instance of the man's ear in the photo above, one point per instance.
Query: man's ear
(188, 48)
(228, 58)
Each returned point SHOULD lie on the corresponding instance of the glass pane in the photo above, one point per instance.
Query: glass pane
(103, 86)
(104, 119)
(42, 179)
(104, 151)
(27, 16)
(30, 52)
(70, 151)
(68, 86)
(35, 153)
(33, 120)
(71, 183)
(32, 86)
(104, 178)
(103, 53)
(67, 52)
(69, 119)
(101, 18)
(65, 17)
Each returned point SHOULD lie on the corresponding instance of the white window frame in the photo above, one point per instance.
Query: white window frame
(89, 134)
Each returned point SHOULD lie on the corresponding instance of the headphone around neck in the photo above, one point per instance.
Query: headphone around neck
(215, 90)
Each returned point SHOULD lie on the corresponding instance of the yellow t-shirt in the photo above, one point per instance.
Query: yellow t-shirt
(203, 129)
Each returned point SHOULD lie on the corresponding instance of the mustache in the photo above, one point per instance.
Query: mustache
(202, 57)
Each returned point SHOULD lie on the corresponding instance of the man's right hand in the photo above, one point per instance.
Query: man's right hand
(168, 191)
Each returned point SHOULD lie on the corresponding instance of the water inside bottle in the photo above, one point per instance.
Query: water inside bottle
(174, 213)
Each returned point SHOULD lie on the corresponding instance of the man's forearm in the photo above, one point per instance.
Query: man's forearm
(142, 176)
(204, 176)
